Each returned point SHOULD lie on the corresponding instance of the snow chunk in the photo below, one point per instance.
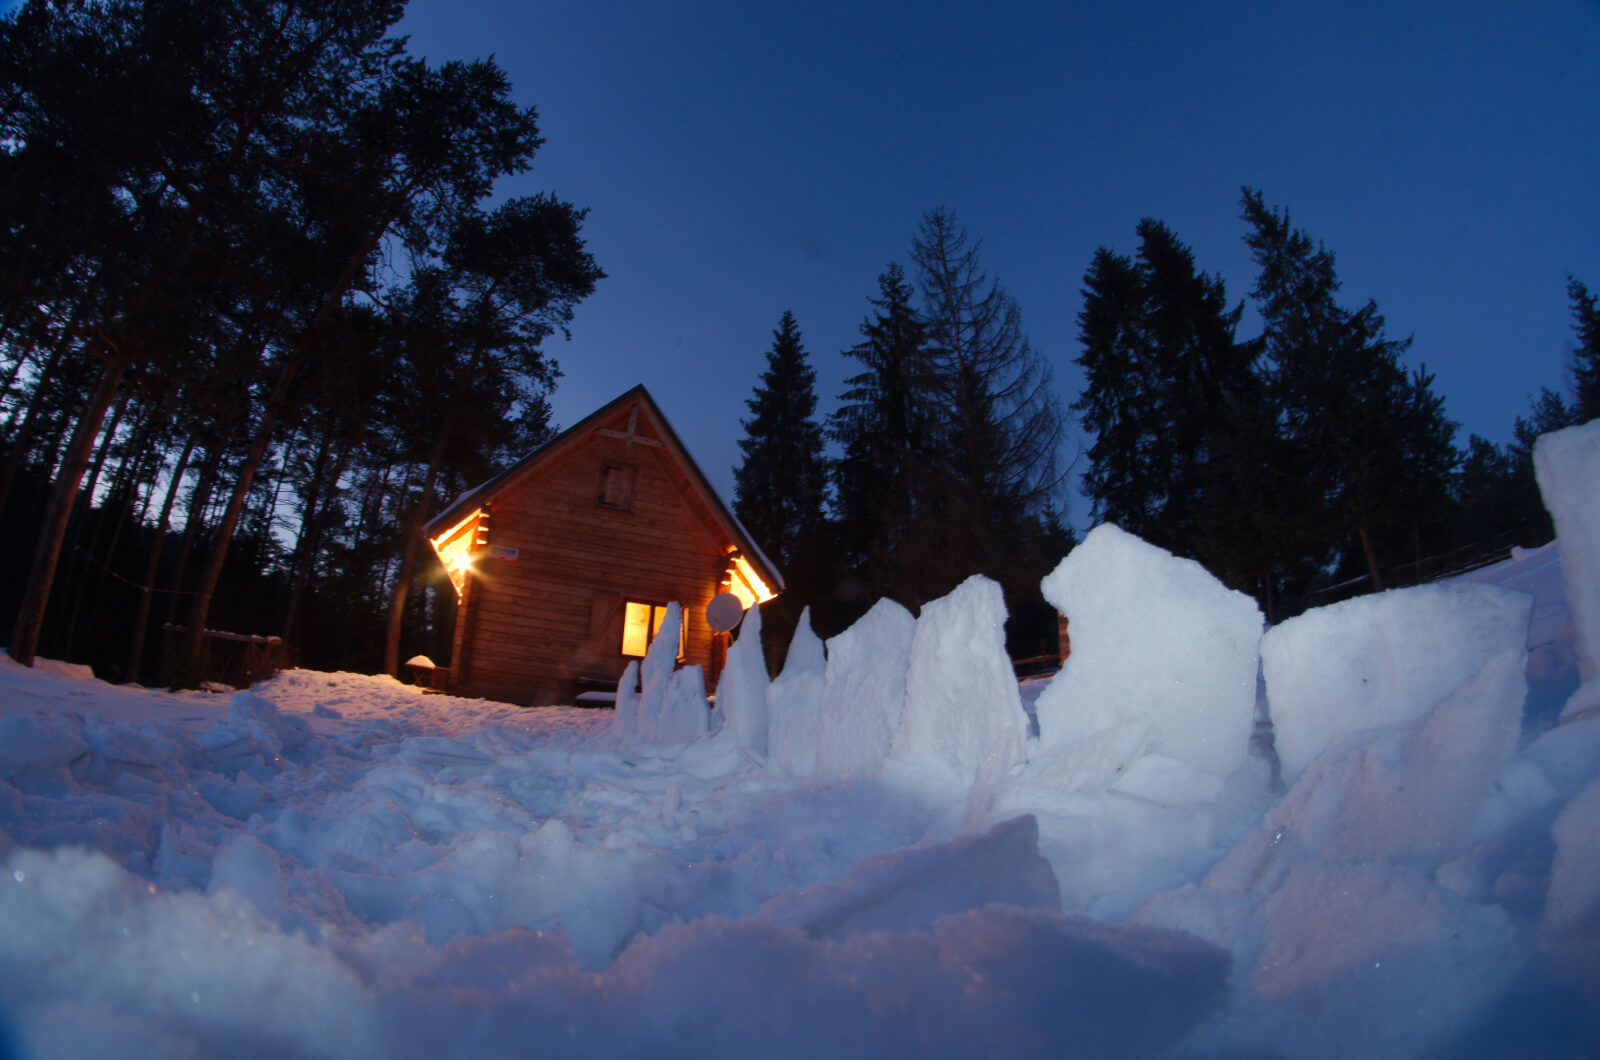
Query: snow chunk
(963, 724)
(625, 720)
(655, 673)
(864, 693)
(1378, 660)
(39, 740)
(794, 704)
(1568, 467)
(252, 870)
(1572, 910)
(684, 714)
(1167, 781)
(434, 753)
(76, 671)
(1410, 791)
(1327, 918)
(742, 688)
(1154, 638)
(130, 969)
(910, 888)
(992, 982)
(656, 702)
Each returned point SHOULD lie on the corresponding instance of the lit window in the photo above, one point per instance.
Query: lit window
(641, 623)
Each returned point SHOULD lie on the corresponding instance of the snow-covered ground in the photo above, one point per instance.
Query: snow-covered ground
(891, 850)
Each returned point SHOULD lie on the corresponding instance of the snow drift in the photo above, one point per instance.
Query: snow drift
(867, 856)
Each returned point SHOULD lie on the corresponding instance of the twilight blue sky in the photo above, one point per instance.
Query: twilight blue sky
(742, 158)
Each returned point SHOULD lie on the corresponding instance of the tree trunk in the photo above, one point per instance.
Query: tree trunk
(312, 520)
(1372, 558)
(30, 615)
(85, 506)
(23, 438)
(205, 484)
(187, 675)
(152, 566)
(408, 553)
(1416, 548)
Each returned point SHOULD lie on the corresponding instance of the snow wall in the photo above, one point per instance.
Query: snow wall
(1568, 465)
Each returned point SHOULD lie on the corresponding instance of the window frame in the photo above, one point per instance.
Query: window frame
(655, 614)
(626, 478)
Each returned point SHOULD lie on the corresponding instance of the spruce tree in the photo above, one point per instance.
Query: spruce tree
(884, 424)
(1586, 355)
(1366, 444)
(999, 431)
(1161, 367)
(780, 483)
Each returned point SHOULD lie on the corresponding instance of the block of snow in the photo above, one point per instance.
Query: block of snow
(1093, 762)
(1167, 781)
(262, 718)
(864, 691)
(433, 753)
(39, 740)
(76, 671)
(742, 687)
(1568, 466)
(255, 734)
(1572, 907)
(794, 704)
(625, 721)
(1412, 791)
(655, 672)
(1154, 638)
(1381, 660)
(1325, 918)
(963, 724)
(908, 889)
(684, 715)
(253, 871)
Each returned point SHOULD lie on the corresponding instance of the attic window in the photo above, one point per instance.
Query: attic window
(641, 623)
(616, 487)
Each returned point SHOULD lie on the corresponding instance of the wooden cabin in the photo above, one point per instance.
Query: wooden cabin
(564, 563)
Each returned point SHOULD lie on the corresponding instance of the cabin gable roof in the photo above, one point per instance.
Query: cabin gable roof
(635, 419)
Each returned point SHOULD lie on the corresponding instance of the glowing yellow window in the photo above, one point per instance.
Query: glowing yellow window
(641, 623)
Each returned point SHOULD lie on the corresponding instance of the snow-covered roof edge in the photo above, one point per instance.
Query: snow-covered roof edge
(489, 488)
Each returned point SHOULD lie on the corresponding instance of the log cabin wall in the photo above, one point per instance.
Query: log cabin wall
(602, 522)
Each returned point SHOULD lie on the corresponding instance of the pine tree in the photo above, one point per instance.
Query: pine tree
(1000, 428)
(1586, 355)
(1363, 438)
(779, 485)
(1161, 366)
(884, 425)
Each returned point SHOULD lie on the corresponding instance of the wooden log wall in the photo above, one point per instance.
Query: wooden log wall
(554, 614)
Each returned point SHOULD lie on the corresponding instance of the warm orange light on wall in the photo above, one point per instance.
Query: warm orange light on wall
(743, 581)
(454, 548)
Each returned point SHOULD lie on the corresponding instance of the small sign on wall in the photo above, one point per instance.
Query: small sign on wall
(502, 552)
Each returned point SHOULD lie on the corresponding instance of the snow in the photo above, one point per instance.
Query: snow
(1380, 659)
(1568, 466)
(869, 855)
(864, 691)
(794, 703)
(1157, 642)
(1572, 913)
(962, 728)
(742, 690)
